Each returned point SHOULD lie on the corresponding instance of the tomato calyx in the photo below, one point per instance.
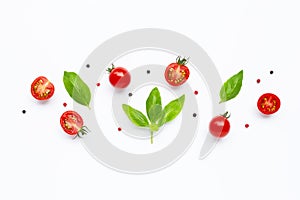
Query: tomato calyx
(109, 70)
(182, 61)
(82, 132)
(226, 115)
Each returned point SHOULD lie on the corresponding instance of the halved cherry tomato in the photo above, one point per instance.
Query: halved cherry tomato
(219, 126)
(42, 88)
(268, 103)
(119, 77)
(177, 73)
(72, 123)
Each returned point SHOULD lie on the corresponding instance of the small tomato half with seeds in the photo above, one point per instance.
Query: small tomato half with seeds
(72, 123)
(268, 103)
(42, 88)
(177, 73)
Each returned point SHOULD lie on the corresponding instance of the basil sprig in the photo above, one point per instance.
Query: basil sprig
(156, 114)
(231, 87)
(77, 88)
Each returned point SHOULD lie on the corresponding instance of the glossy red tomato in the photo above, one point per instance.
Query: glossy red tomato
(219, 126)
(119, 77)
(72, 123)
(268, 103)
(177, 73)
(42, 88)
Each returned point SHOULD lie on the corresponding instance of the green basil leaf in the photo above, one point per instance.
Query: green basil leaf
(231, 87)
(135, 116)
(77, 89)
(171, 110)
(155, 113)
(153, 105)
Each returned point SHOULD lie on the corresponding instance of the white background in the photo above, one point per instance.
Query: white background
(39, 161)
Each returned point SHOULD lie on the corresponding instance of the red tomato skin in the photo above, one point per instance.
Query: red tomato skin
(219, 126)
(45, 93)
(181, 79)
(73, 120)
(119, 77)
(268, 103)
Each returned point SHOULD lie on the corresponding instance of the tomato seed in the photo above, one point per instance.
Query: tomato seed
(65, 104)
(258, 81)
(119, 129)
(246, 125)
(98, 84)
(196, 92)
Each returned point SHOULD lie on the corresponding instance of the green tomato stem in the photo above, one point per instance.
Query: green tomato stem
(110, 69)
(151, 137)
(226, 115)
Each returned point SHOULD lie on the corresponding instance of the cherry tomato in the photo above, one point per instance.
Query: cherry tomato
(119, 77)
(219, 126)
(268, 103)
(42, 88)
(72, 123)
(177, 73)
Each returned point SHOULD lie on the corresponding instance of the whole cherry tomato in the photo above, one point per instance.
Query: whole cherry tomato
(219, 126)
(119, 77)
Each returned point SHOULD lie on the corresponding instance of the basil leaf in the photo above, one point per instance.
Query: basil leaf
(77, 89)
(135, 116)
(171, 110)
(153, 105)
(231, 87)
(155, 113)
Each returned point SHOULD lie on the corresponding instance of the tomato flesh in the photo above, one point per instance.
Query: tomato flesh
(119, 77)
(176, 74)
(219, 126)
(268, 103)
(71, 122)
(42, 88)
